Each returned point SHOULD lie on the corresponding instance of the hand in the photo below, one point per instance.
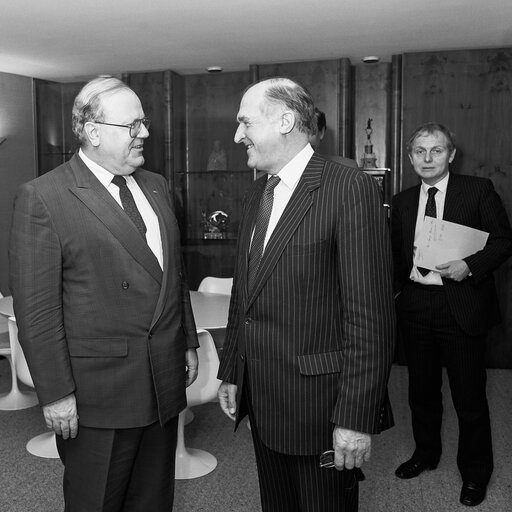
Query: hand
(61, 416)
(192, 366)
(351, 448)
(227, 399)
(456, 270)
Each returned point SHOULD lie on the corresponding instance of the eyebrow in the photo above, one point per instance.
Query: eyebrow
(242, 119)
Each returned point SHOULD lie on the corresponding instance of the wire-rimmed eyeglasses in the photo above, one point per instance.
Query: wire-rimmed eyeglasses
(134, 127)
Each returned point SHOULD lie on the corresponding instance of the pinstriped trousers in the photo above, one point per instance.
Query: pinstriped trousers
(293, 483)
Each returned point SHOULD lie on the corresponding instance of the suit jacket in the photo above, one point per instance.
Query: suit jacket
(96, 314)
(473, 202)
(316, 334)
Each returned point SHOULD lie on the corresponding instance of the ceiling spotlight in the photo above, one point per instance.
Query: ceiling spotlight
(214, 69)
(370, 59)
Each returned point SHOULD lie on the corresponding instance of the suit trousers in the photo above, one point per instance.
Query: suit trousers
(432, 338)
(120, 470)
(293, 483)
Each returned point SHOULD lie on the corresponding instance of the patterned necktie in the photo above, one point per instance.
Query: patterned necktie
(129, 205)
(260, 229)
(430, 208)
(430, 211)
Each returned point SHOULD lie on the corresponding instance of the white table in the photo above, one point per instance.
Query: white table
(6, 306)
(210, 309)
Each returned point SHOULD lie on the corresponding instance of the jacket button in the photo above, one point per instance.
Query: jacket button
(125, 285)
(150, 335)
(248, 321)
(242, 357)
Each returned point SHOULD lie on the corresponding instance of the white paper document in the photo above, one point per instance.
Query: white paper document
(441, 241)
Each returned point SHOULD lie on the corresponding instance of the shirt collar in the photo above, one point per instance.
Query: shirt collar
(104, 176)
(291, 173)
(440, 185)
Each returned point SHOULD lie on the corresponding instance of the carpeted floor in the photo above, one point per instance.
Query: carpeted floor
(31, 484)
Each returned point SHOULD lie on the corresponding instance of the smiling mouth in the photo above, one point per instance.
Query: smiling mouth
(138, 146)
(249, 146)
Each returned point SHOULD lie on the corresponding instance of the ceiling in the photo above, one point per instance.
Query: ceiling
(69, 40)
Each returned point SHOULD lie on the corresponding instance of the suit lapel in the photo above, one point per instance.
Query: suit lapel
(410, 215)
(168, 233)
(294, 213)
(453, 201)
(99, 201)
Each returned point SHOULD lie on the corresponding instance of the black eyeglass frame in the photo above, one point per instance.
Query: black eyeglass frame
(136, 125)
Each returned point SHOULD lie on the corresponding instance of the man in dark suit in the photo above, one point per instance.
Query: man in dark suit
(317, 136)
(444, 315)
(103, 309)
(310, 336)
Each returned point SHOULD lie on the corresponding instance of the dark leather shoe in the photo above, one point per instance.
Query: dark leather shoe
(472, 494)
(413, 467)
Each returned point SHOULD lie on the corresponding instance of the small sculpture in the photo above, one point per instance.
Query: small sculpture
(217, 160)
(369, 160)
(215, 224)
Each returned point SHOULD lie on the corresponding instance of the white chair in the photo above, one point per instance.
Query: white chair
(43, 445)
(15, 399)
(192, 462)
(221, 285)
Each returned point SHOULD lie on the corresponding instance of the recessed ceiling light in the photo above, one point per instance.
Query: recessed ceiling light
(214, 69)
(370, 59)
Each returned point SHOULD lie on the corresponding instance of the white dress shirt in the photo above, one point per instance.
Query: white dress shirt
(432, 277)
(289, 175)
(149, 217)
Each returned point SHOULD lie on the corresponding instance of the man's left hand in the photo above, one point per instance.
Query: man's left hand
(351, 448)
(456, 270)
(192, 365)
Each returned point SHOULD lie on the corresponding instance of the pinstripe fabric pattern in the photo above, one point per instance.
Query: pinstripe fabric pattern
(317, 330)
(473, 202)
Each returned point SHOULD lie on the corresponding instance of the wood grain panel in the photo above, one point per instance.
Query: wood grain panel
(471, 93)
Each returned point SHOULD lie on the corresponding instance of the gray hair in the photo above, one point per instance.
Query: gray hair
(296, 98)
(429, 129)
(88, 104)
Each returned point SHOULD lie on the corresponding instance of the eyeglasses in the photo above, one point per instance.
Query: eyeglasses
(134, 127)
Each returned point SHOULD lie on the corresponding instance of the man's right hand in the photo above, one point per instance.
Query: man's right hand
(61, 416)
(227, 399)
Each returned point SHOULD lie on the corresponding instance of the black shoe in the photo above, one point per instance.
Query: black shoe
(472, 494)
(413, 467)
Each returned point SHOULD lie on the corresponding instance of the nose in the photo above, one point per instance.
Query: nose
(143, 132)
(239, 134)
(428, 156)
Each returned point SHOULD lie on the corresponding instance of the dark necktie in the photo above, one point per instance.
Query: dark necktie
(260, 229)
(129, 205)
(430, 211)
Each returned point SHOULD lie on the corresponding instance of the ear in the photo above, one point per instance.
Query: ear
(452, 156)
(287, 122)
(93, 133)
(410, 159)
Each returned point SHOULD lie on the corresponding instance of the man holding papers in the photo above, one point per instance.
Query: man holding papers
(449, 234)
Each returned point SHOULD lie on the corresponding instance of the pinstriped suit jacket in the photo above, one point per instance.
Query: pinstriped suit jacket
(473, 202)
(96, 314)
(316, 334)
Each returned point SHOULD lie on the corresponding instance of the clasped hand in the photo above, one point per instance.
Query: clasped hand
(456, 270)
(351, 448)
(61, 416)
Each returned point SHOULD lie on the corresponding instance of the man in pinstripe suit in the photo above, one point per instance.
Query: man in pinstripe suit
(309, 343)
(444, 315)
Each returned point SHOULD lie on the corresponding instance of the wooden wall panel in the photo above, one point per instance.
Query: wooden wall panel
(471, 93)
(373, 100)
(212, 102)
(329, 83)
